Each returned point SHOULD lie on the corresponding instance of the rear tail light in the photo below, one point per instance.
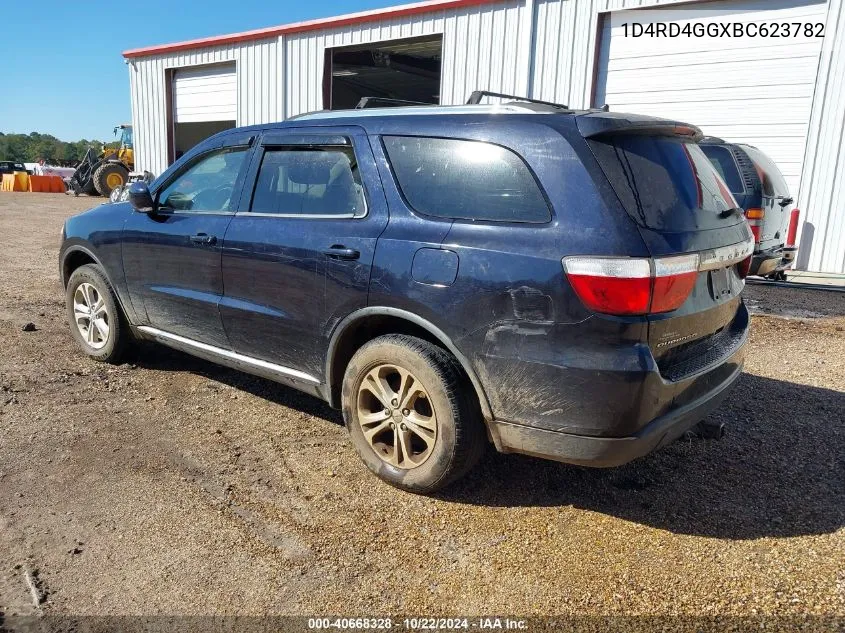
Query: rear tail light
(628, 286)
(744, 267)
(755, 221)
(674, 278)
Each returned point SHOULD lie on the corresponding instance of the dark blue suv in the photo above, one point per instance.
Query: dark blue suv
(560, 283)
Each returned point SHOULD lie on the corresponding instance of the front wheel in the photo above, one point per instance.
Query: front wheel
(410, 414)
(95, 319)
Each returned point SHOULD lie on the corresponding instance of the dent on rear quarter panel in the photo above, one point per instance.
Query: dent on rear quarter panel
(510, 310)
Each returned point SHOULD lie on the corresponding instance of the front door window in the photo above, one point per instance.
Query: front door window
(207, 185)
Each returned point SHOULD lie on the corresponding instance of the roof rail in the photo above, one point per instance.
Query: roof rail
(376, 101)
(477, 95)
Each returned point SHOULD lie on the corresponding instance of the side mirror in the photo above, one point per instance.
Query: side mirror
(140, 198)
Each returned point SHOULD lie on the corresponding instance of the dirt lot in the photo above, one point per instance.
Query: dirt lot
(172, 486)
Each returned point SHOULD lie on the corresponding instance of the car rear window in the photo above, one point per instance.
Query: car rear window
(665, 183)
(725, 165)
(465, 180)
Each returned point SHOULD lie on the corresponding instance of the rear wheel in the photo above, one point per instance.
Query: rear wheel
(94, 315)
(109, 176)
(408, 412)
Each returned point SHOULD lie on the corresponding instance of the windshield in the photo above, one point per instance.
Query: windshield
(665, 183)
(126, 138)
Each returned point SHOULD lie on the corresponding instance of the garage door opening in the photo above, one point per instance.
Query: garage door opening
(755, 90)
(407, 70)
(204, 103)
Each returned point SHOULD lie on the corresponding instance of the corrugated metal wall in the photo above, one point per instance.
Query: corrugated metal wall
(259, 87)
(822, 195)
(484, 45)
(487, 47)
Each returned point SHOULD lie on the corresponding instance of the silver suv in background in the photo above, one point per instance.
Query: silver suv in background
(760, 189)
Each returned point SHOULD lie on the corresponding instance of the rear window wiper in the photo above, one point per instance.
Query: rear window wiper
(729, 212)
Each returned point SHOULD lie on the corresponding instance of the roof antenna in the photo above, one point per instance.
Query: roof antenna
(605, 108)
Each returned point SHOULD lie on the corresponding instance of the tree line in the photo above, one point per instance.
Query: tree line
(31, 148)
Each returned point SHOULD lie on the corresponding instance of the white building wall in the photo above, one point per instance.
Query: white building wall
(484, 46)
(487, 46)
(259, 71)
(822, 194)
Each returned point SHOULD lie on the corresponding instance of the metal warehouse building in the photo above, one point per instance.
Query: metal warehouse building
(785, 95)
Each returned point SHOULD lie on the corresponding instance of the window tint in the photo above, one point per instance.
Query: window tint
(723, 162)
(465, 180)
(207, 185)
(665, 183)
(309, 181)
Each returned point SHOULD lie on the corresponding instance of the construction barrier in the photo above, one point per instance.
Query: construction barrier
(17, 181)
(46, 184)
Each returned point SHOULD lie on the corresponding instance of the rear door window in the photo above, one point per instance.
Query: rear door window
(309, 181)
(465, 180)
(725, 165)
(665, 183)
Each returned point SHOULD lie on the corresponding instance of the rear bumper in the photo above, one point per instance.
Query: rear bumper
(605, 452)
(773, 260)
(689, 401)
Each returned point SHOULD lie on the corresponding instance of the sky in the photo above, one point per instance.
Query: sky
(63, 72)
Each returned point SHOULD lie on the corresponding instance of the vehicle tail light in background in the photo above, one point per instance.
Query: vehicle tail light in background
(755, 221)
(629, 286)
(792, 232)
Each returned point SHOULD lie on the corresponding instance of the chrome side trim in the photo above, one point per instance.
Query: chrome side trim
(230, 355)
(726, 255)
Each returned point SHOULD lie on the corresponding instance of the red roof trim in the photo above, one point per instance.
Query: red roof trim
(310, 25)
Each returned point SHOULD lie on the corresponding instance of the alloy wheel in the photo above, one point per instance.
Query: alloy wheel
(396, 416)
(91, 316)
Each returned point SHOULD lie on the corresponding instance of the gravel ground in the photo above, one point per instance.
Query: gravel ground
(794, 303)
(172, 486)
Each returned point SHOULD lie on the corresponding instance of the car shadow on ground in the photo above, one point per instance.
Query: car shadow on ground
(779, 471)
(161, 358)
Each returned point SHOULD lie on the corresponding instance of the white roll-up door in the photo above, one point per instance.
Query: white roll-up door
(758, 90)
(206, 93)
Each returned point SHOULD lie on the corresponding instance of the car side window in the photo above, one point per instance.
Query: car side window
(208, 184)
(309, 181)
(466, 180)
(723, 162)
(770, 176)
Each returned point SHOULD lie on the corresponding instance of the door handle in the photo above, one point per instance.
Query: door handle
(341, 252)
(203, 238)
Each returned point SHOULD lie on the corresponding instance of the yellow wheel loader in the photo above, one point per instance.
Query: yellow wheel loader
(108, 170)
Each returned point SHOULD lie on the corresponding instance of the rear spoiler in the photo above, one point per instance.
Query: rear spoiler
(603, 124)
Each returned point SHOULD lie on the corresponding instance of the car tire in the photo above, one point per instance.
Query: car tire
(411, 413)
(88, 289)
(106, 177)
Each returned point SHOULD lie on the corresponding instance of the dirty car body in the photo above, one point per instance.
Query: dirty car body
(505, 267)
